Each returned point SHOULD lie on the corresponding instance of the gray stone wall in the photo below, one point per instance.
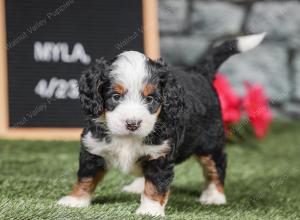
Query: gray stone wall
(189, 27)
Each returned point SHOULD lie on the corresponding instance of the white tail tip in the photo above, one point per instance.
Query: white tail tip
(249, 42)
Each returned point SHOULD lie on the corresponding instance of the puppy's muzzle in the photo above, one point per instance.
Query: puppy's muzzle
(133, 125)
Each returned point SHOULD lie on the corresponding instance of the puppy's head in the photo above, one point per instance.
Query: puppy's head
(127, 94)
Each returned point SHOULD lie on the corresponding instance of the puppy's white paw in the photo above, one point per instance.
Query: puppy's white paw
(211, 196)
(137, 186)
(76, 202)
(150, 207)
(153, 211)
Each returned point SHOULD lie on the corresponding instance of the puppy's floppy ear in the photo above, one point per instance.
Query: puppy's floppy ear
(172, 92)
(90, 86)
(172, 109)
(173, 101)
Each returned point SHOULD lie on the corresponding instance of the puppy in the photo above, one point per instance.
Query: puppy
(144, 116)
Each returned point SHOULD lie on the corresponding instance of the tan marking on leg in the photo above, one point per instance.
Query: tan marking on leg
(150, 191)
(86, 186)
(210, 172)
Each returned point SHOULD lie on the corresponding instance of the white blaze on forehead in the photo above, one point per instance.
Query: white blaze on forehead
(130, 70)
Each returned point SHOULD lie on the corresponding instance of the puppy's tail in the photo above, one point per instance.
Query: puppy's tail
(221, 53)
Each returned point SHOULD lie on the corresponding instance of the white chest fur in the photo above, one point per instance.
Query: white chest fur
(123, 153)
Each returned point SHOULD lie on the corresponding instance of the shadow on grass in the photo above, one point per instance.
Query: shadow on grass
(243, 195)
(116, 198)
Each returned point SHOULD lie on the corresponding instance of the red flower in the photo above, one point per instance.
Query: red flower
(230, 102)
(256, 106)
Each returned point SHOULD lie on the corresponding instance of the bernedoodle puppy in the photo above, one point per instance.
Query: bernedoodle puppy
(143, 117)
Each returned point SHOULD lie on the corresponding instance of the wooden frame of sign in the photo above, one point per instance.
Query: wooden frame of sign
(151, 48)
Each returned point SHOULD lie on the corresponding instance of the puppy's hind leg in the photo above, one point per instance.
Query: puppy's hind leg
(214, 167)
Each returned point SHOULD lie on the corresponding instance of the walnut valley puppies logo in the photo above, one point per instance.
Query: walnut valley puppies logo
(60, 9)
(30, 30)
(121, 44)
(140, 30)
(37, 110)
(37, 25)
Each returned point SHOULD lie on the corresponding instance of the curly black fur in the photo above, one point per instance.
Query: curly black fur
(90, 85)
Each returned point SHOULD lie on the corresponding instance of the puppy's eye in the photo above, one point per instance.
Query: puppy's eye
(116, 97)
(149, 99)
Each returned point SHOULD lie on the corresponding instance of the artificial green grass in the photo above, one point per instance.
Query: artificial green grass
(263, 182)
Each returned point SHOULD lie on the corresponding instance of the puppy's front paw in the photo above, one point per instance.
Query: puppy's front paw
(150, 207)
(142, 210)
(137, 186)
(211, 196)
(76, 202)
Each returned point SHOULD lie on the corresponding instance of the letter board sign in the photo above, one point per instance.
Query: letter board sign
(50, 43)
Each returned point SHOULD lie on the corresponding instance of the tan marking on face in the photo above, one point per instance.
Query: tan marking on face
(151, 192)
(148, 89)
(119, 89)
(210, 172)
(87, 185)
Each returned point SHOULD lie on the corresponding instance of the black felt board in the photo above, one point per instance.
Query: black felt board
(102, 28)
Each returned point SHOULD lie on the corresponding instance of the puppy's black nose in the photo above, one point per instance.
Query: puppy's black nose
(133, 125)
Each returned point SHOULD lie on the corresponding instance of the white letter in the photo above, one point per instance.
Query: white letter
(79, 54)
(42, 52)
